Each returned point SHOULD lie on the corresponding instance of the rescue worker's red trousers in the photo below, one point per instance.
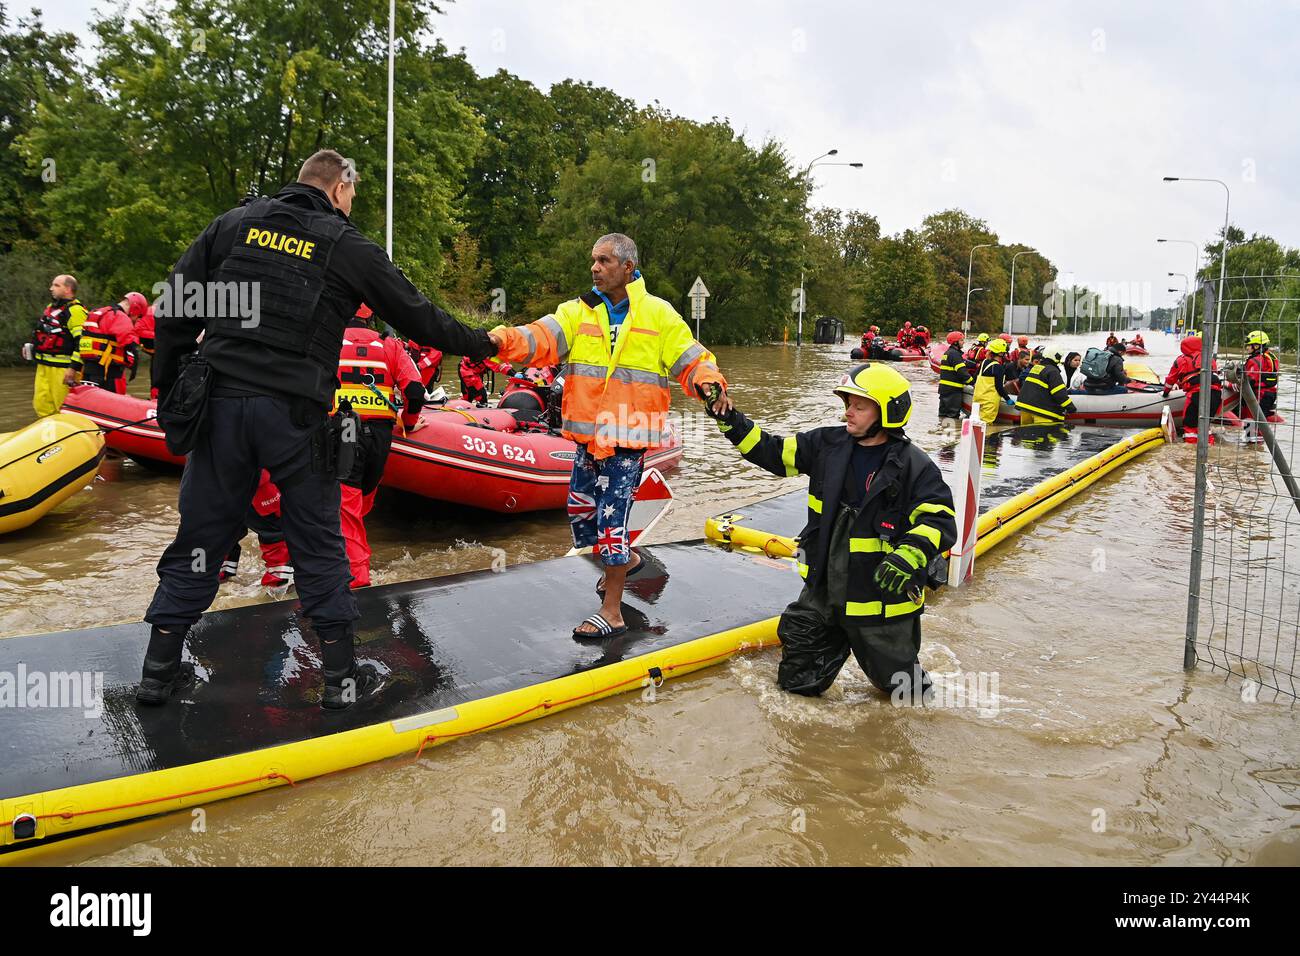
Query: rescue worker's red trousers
(352, 513)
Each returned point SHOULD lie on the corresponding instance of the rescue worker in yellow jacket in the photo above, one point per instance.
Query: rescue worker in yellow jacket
(54, 341)
(621, 347)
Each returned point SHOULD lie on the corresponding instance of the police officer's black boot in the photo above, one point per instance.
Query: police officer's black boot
(164, 672)
(346, 682)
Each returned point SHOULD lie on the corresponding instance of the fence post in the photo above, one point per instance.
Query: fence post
(1209, 335)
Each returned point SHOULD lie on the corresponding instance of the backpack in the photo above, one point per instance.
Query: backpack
(1096, 363)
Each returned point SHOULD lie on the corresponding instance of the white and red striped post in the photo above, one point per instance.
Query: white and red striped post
(965, 484)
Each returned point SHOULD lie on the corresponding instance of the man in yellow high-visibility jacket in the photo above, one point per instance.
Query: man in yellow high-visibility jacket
(621, 347)
(53, 343)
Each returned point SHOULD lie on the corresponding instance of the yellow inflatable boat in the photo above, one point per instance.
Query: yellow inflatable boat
(44, 464)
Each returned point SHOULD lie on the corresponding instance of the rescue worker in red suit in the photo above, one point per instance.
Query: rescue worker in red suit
(1137, 340)
(373, 370)
(1022, 345)
(264, 521)
(1111, 340)
(141, 312)
(922, 337)
(1186, 374)
(472, 388)
(906, 336)
(428, 362)
(107, 349)
(1261, 372)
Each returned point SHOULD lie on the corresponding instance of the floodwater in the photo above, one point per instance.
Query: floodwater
(1100, 748)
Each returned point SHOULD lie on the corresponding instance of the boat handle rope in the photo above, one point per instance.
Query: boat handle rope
(70, 814)
(79, 431)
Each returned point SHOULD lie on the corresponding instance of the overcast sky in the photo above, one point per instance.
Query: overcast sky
(1052, 121)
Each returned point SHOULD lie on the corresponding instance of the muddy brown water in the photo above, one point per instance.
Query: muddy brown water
(1101, 749)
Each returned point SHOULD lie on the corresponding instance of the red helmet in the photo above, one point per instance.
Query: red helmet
(1005, 337)
(363, 311)
(136, 304)
(907, 325)
(955, 338)
(1022, 341)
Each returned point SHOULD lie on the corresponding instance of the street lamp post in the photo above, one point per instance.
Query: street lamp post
(969, 292)
(1011, 299)
(1196, 274)
(970, 264)
(1223, 272)
(1182, 302)
(807, 170)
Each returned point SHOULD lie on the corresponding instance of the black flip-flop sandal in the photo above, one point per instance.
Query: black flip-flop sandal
(603, 628)
(631, 574)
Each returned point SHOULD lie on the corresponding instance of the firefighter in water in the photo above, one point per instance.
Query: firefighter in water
(879, 514)
(1261, 371)
(1044, 399)
(53, 344)
(990, 382)
(953, 379)
(108, 347)
(374, 370)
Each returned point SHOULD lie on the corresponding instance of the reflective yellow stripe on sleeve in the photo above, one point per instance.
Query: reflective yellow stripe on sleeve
(930, 509)
(925, 531)
(803, 571)
(787, 456)
(815, 503)
(750, 440)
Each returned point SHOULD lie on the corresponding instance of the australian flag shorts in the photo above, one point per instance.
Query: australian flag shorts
(600, 500)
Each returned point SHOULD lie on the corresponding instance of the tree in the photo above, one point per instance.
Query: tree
(698, 200)
(900, 285)
(191, 106)
(836, 257)
(512, 178)
(583, 111)
(949, 238)
(33, 65)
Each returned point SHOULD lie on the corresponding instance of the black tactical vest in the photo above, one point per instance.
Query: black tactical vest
(287, 251)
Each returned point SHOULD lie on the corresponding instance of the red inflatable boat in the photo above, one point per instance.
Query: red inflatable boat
(890, 352)
(486, 458)
(483, 457)
(128, 422)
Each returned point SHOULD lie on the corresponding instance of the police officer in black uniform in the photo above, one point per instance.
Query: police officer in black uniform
(273, 378)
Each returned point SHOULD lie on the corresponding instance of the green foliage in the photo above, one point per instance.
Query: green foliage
(33, 65)
(836, 256)
(949, 238)
(698, 200)
(189, 107)
(901, 286)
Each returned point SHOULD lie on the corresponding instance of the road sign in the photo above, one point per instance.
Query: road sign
(698, 294)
